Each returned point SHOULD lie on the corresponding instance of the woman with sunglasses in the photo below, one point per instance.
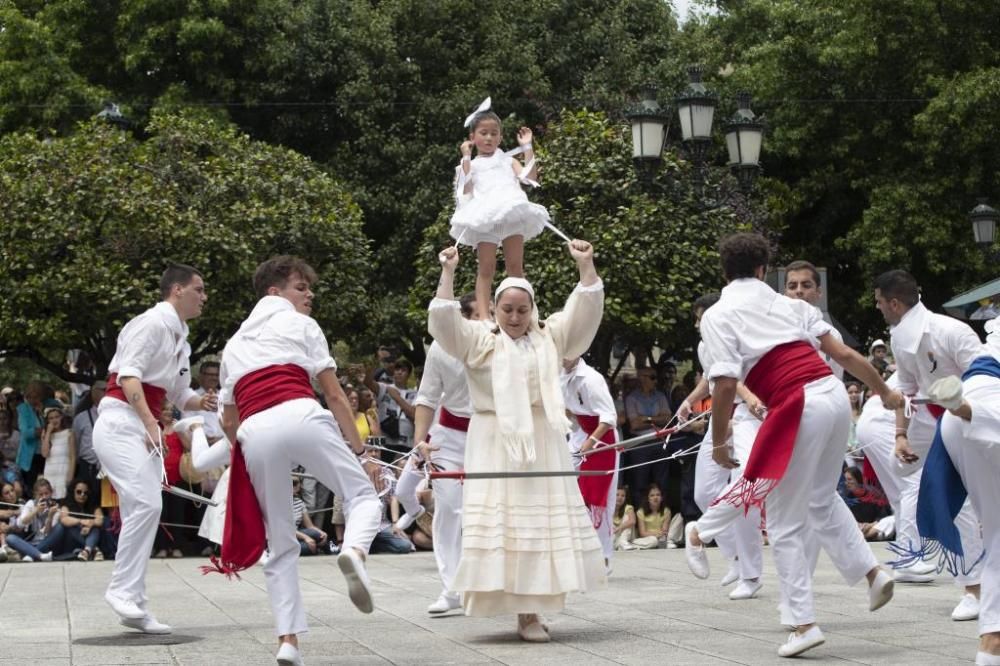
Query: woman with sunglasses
(82, 533)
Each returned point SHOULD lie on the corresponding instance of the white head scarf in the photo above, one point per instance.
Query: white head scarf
(510, 383)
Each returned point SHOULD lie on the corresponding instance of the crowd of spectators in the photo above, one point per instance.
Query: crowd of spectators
(55, 504)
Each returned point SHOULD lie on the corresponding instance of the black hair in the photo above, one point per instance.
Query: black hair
(468, 304)
(276, 271)
(705, 301)
(803, 265)
(181, 274)
(742, 254)
(484, 115)
(900, 285)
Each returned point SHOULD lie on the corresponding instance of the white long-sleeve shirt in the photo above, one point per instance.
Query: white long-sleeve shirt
(153, 348)
(444, 384)
(273, 334)
(586, 392)
(928, 346)
(749, 321)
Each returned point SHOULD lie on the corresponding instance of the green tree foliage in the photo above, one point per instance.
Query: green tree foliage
(374, 91)
(92, 219)
(882, 116)
(655, 244)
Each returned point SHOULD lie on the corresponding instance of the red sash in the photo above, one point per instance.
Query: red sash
(779, 380)
(449, 420)
(595, 488)
(244, 535)
(154, 394)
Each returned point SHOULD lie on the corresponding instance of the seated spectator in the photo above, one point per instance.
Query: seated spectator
(10, 438)
(883, 529)
(390, 539)
(39, 520)
(169, 538)
(82, 533)
(10, 508)
(421, 533)
(624, 521)
(59, 450)
(867, 502)
(312, 541)
(657, 528)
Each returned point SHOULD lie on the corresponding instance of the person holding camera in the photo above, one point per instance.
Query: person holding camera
(39, 521)
(395, 408)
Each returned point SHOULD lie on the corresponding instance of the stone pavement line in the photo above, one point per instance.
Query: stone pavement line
(653, 611)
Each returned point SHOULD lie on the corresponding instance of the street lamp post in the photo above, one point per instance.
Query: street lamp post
(649, 132)
(984, 220)
(696, 111)
(744, 136)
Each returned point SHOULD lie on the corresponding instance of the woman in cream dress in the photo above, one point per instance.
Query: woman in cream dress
(526, 542)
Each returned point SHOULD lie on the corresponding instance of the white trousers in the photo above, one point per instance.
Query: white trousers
(300, 432)
(120, 444)
(877, 434)
(807, 496)
(920, 435)
(978, 463)
(741, 540)
(446, 528)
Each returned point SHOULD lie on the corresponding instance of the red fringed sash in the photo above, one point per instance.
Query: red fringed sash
(449, 420)
(244, 535)
(595, 488)
(154, 394)
(779, 380)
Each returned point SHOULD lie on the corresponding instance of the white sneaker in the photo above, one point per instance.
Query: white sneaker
(697, 559)
(147, 625)
(732, 575)
(46, 557)
(445, 603)
(946, 392)
(288, 655)
(921, 568)
(967, 609)
(987, 659)
(124, 607)
(797, 644)
(27, 558)
(358, 589)
(184, 425)
(747, 589)
(407, 519)
(880, 591)
(914, 574)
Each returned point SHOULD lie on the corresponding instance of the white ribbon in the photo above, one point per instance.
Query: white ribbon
(484, 106)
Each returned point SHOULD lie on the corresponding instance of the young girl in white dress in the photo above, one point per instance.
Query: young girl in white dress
(491, 208)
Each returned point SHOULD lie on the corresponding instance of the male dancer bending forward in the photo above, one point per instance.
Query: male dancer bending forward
(443, 389)
(150, 363)
(769, 342)
(272, 417)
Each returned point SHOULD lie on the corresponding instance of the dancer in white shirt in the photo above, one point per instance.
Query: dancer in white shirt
(275, 423)
(769, 342)
(741, 542)
(927, 347)
(588, 399)
(444, 393)
(970, 434)
(151, 363)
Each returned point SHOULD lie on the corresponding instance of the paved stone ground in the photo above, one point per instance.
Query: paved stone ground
(653, 612)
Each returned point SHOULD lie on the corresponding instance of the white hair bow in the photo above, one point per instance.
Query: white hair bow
(485, 106)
